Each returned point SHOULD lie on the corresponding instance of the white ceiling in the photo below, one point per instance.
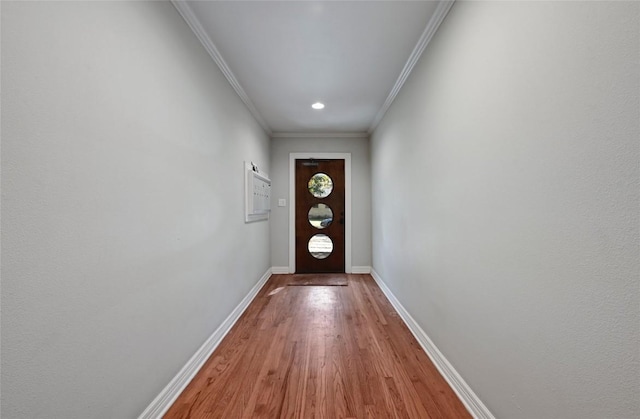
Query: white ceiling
(282, 56)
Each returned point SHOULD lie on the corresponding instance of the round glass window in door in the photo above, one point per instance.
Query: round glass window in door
(320, 246)
(320, 216)
(320, 185)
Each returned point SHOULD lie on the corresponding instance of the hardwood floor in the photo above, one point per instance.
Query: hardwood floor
(319, 352)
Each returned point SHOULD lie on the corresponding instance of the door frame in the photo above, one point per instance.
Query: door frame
(347, 203)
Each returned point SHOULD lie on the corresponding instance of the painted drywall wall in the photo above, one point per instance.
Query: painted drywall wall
(360, 199)
(123, 237)
(505, 206)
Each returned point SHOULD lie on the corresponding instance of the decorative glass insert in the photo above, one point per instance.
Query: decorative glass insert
(320, 216)
(320, 246)
(320, 185)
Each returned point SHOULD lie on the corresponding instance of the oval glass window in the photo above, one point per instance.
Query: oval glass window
(320, 185)
(320, 246)
(320, 216)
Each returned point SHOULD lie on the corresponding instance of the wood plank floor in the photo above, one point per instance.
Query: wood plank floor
(319, 352)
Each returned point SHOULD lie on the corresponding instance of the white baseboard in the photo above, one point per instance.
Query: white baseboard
(170, 393)
(361, 269)
(354, 269)
(280, 269)
(471, 401)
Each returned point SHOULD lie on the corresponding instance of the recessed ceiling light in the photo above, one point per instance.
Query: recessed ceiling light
(318, 105)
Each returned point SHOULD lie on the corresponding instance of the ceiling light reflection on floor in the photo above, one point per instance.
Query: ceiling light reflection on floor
(321, 298)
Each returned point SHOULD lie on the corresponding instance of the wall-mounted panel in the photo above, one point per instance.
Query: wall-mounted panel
(257, 194)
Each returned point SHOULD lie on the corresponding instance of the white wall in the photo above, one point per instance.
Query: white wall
(123, 240)
(360, 200)
(505, 204)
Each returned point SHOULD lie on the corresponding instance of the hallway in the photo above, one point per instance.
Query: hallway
(319, 352)
(492, 187)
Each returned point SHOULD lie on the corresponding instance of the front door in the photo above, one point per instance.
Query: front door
(320, 219)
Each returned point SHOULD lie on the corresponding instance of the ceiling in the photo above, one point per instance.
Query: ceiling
(282, 56)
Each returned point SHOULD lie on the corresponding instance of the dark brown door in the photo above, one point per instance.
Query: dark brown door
(320, 216)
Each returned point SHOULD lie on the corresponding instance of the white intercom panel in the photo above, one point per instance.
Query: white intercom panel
(258, 194)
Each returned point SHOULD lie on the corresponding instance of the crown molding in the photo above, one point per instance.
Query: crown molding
(189, 16)
(430, 30)
(432, 26)
(319, 135)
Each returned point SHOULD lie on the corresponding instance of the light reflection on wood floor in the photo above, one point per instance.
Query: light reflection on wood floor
(319, 352)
